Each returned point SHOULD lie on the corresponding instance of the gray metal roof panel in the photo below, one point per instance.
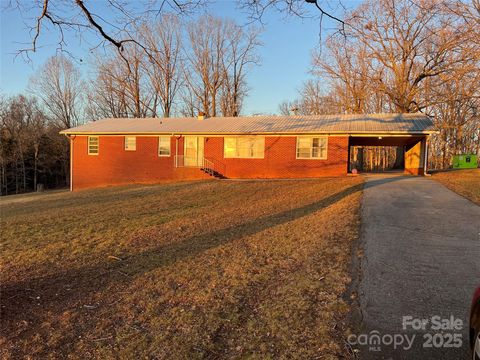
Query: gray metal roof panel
(352, 123)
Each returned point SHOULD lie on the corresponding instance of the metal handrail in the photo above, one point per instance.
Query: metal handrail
(209, 165)
(217, 166)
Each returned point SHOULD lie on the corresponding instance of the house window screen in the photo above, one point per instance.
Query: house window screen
(312, 147)
(93, 145)
(130, 143)
(164, 146)
(244, 147)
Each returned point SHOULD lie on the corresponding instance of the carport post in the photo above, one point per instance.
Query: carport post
(349, 165)
(425, 165)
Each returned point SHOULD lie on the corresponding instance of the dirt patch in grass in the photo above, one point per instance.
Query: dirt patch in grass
(463, 182)
(215, 269)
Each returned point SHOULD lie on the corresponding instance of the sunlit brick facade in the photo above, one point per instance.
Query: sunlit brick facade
(152, 150)
(113, 165)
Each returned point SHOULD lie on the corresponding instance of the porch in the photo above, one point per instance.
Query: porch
(190, 152)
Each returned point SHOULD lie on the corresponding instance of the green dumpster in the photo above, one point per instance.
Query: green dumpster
(465, 161)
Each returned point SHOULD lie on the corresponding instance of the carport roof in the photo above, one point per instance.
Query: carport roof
(323, 124)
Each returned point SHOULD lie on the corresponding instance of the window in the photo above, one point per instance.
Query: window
(93, 145)
(312, 147)
(244, 147)
(164, 146)
(130, 143)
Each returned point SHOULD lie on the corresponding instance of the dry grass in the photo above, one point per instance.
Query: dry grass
(463, 182)
(217, 269)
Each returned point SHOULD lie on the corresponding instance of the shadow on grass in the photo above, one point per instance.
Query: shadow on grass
(72, 288)
(34, 202)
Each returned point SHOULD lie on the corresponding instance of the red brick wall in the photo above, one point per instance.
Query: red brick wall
(280, 159)
(114, 166)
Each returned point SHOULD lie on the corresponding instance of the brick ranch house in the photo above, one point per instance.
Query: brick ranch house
(125, 151)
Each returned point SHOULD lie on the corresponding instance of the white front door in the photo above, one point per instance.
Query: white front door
(193, 151)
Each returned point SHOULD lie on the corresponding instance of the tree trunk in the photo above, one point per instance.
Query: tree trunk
(360, 158)
(35, 164)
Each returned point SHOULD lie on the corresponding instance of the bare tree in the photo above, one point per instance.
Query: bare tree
(406, 43)
(240, 54)
(209, 72)
(313, 100)
(288, 108)
(22, 125)
(217, 59)
(59, 86)
(104, 100)
(205, 73)
(457, 116)
(348, 68)
(408, 56)
(31, 149)
(115, 26)
(122, 88)
(300, 8)
(190, 106)
(162, 63)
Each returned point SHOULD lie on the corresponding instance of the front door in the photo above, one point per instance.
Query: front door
(194, 150)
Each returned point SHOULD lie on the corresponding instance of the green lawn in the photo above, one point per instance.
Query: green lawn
(214, 269)
(463, 182)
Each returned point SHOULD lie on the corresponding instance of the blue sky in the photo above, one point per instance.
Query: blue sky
(285, 56)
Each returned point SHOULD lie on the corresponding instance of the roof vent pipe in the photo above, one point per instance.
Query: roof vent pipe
(201, 116)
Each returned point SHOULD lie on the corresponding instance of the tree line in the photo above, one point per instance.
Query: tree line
(176, 69)
(173, 68)
(403, 56)
(31, 150)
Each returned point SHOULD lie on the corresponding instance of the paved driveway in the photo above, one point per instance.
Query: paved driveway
(421, 259)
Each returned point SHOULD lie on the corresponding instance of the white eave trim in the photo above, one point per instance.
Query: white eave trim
(327, 133)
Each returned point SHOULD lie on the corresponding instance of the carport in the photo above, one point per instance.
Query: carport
(412, 148)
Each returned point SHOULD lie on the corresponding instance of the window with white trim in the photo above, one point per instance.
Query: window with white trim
(164, 146)
(312, 147)
(130, 143)
(244, 147)
(93, 145)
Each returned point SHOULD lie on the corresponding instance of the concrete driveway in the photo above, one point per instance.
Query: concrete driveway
(421, 246)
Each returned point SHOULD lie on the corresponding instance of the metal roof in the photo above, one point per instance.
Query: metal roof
(325, 124)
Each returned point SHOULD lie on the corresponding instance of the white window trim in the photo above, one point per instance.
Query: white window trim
(242, 157)
(169, 147)
(312, 158)
(98, 145)
(125, 143)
